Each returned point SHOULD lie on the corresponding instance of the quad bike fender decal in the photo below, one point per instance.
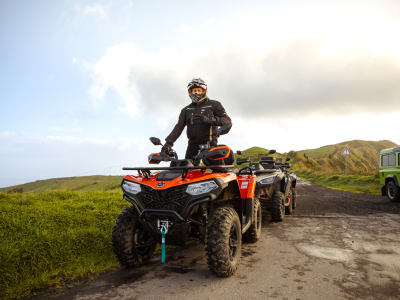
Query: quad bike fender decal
(192, 177)
(247, 185)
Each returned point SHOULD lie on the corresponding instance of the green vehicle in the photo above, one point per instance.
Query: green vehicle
(389, 173)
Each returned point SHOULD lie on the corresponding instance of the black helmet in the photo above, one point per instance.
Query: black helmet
(197, 83)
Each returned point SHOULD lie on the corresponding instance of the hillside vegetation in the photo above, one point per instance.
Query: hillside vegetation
(84, 183)
(364, 157)
(326, 165)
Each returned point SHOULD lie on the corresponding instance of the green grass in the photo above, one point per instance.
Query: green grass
(352, 183)
(49, 237)
(83, 183)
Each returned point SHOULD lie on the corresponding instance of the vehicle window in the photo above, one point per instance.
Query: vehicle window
(392, 160)
(388, 160)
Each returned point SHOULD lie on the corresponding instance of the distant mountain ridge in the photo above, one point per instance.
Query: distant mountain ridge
(363, 159)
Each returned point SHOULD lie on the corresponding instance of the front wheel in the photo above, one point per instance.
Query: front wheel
(392, 191)
(132, 243)
(253, 234)
(224, 242)
(278, 206)
(294, 197)
(289, 207)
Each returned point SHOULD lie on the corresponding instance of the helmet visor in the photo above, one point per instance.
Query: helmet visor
(199, 83)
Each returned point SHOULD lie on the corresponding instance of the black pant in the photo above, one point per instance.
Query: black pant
(193, 149)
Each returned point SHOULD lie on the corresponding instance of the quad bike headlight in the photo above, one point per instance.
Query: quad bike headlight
(201, 187)
(131, 187)
(268, 180)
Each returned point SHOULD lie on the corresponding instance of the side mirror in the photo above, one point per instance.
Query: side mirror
(287, 159)
(272, 151)
(240, 161)
(155, 141)
(239, 152)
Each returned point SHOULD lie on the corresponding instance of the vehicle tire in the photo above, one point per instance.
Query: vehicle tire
(132, 243)
(294, 197)
(253, 234)
(278, 206)
(289, 208)
(392, 191)
(224, 241)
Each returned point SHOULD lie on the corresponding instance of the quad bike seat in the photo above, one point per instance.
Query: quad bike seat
(269, 163)
(170, 175)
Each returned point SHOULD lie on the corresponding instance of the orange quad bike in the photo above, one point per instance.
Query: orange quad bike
(200, 198)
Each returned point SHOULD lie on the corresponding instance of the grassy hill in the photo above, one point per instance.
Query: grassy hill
(84, 183)
(326, 165)
(364, 157)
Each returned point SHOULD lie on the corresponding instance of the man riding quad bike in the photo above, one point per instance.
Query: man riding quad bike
(275, 188)
(207, 202)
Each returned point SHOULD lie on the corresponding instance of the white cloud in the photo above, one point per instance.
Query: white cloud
(96, 9)
(7, 134)
(317, 131)
(186, 29)
(293, 64)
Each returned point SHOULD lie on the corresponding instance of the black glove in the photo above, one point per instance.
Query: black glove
(167, 148)
(205, 119)
(219, 131)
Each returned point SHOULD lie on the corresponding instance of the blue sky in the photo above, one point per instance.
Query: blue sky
(85, 83)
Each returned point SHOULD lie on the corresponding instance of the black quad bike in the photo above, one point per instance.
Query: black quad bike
(188, 200)
(276, 187)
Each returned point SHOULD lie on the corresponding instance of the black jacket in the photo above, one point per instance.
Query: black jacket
(197, 131)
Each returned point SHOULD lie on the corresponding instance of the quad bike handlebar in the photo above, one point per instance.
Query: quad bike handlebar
(245, 171)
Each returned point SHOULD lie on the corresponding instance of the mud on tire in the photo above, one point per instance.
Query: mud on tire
(392, 191)
(294, 197)
(253, 234)
(132, 244)
(278, 206)
(224, 242)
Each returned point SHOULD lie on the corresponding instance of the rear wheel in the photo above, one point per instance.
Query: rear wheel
(253, 234)
(224, 242)
(278, 206)
(132, 243)
(392, 191)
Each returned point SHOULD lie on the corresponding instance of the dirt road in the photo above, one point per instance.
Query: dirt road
(338, 245)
